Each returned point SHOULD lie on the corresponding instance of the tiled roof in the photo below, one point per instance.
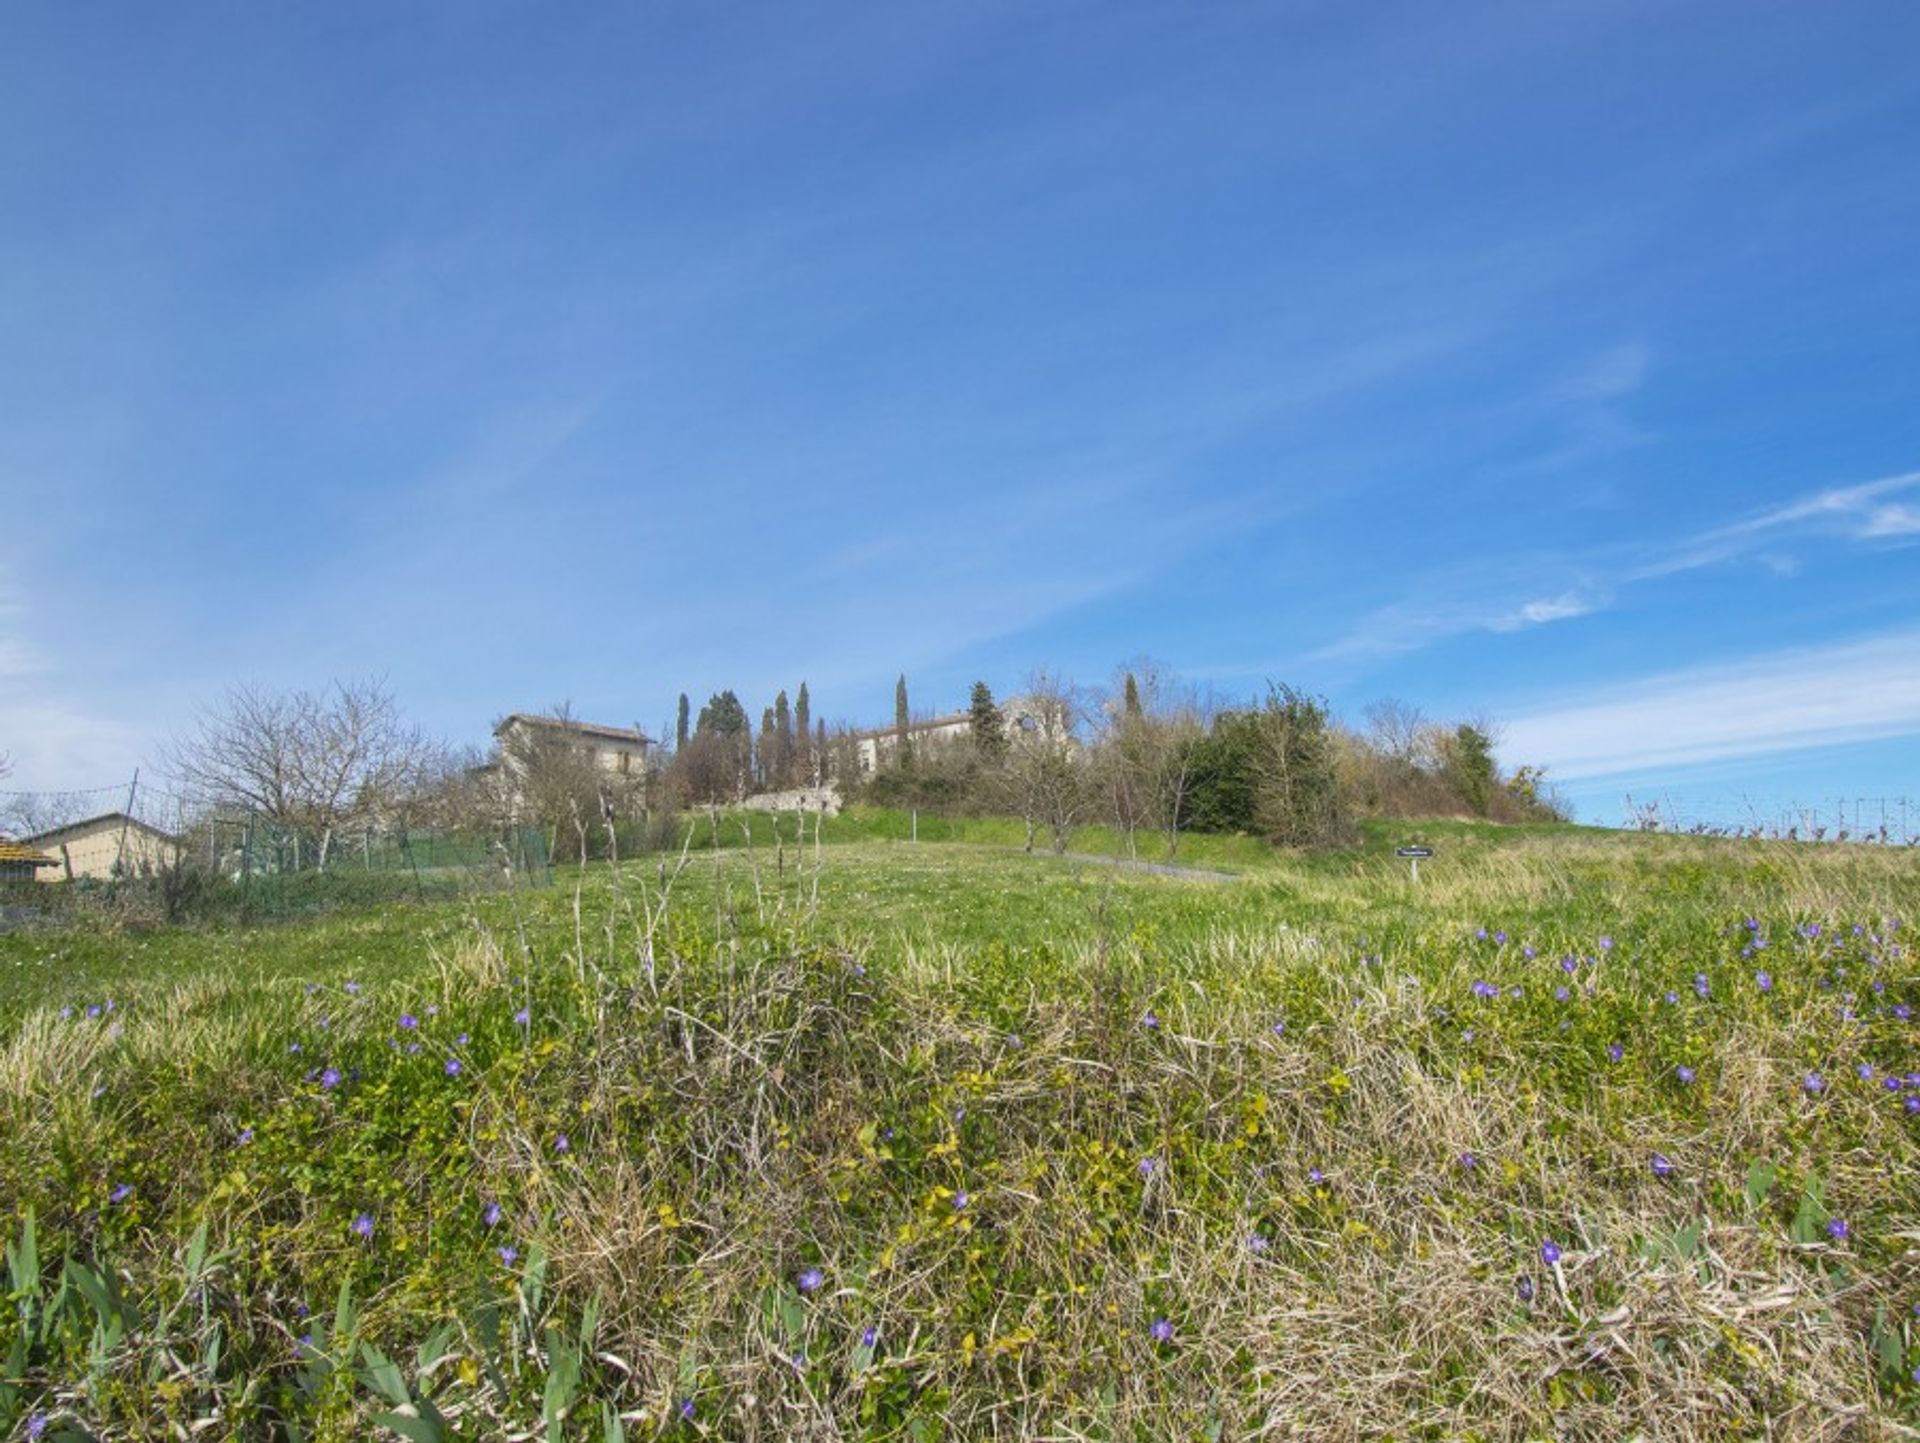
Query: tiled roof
(591, 729)
(116, 818)
(914, 728)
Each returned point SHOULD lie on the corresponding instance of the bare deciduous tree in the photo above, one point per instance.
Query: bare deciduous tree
(1045, 773)
(1146, 754)
(316, 763)
(548, 774)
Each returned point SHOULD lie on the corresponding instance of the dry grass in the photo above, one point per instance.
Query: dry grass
(1134, 1139)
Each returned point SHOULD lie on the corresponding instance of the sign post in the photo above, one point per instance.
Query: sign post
(1413, 856)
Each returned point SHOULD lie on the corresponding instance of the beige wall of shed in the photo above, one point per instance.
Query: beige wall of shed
(91, 852)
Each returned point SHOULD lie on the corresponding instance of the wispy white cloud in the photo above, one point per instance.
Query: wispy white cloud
(1408, 626)
(1616, 372)
(55, 745)
(1867, 513)
(18, 656)
(1542, 610)
(1778, 702)
(51, 742)
(1896, 520)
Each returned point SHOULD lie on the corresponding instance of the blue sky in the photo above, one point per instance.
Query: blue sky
(1548, 361)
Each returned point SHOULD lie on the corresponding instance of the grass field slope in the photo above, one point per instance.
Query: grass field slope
(1585, 1135)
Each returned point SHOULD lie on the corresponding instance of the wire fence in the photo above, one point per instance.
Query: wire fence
(1889, 821)
(137, 837)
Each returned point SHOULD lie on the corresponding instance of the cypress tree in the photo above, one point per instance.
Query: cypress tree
(723, 714)
(902, 747)
(820, 749)
(680, 726)
(768, 746)
(1133, 696)
(782, 767)
(984, 722)
(802, 737)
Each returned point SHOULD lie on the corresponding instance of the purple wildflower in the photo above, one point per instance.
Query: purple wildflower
(1661, 1166)
(1615, 1052)
(1838, 1230)
(1525, 1289)
(353, 989)
(509, 1255)
(363, 1225)
(453, 1067)
(121, 1193)
(1549, 1252)
(1149, 1020)
(1258, 1243)
(560, 1144)
(959, 1200)
(330, 1078)
(1814, 1084)
(1469, 1161)
(1161, 1330)
(246, 1136)
(1764, 981)
(686, 1410)
(523, 1016)
(491, 1214)
(1684, 1073)
(869, 1336)
(1315, 1176)
(811, 1279)
(409, 1021)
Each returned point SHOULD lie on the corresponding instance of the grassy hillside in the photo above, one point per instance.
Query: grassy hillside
(1587, 1135)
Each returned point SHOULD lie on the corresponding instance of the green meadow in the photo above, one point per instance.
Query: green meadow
(1586, 1134)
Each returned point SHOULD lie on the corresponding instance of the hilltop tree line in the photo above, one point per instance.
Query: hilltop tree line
(1154, 759)
(1146, 755)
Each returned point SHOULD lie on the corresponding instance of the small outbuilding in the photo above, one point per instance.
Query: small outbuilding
(110, 845)
(20, 863)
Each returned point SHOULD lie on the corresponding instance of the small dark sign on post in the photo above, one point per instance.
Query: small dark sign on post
(1413, 856)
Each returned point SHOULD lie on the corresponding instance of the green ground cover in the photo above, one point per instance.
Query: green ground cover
(1588, 1135)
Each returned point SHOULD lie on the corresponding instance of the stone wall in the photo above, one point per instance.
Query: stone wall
(797, 799)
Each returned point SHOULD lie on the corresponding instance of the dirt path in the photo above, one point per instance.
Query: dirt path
(1134, 864)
